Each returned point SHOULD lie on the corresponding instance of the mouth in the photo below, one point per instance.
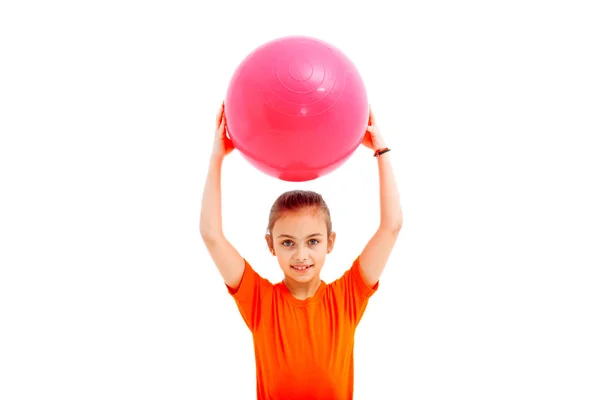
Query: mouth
(301, 268)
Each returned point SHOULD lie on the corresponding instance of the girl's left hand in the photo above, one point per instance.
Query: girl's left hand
(373, 139)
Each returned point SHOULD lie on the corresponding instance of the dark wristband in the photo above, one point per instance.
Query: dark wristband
(381, 151)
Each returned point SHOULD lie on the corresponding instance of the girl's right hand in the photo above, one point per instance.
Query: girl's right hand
(222, 144)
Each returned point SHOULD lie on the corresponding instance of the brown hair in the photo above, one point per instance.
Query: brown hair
(295, 200)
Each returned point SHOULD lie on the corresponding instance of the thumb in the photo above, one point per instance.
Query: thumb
(367, 140)
(228, 142)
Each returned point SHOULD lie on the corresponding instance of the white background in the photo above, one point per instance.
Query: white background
(106, 121)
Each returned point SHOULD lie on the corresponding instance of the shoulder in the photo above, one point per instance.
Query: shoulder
(351, 293)
(251, 283)
(353, 280)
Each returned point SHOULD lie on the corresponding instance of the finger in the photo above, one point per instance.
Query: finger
(371, 116)
(220, 113)
(221, 128)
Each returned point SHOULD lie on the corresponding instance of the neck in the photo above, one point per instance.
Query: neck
(302, 290)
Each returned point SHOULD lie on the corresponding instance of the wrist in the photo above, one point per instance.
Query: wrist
(380, 149)
(216, 158)
(380, 144)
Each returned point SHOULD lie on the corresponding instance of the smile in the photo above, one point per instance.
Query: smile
(301, 268)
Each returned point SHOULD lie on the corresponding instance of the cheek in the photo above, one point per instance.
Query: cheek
(281, 249)
(319, 252)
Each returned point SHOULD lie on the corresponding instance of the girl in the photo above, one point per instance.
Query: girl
(303, 328)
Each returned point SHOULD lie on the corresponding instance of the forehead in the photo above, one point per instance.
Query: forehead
(301, 222)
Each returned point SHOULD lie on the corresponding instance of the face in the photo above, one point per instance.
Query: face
(299, 240)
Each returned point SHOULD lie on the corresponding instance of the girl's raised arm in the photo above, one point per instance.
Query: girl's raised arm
(227, 259)
(375, 255)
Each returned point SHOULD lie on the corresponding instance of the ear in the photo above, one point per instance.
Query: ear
(330, 242)
(269, 240)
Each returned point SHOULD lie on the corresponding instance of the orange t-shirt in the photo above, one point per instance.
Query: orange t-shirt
(304, 349)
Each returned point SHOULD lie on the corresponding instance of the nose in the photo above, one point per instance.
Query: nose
(301, 253)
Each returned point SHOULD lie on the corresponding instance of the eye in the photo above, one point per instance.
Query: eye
(287, 243)
(313, 242)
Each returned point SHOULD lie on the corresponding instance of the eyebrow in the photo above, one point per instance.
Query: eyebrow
(292, 237)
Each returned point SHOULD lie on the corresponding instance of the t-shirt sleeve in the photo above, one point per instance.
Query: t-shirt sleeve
(249, 294)
(354, 291)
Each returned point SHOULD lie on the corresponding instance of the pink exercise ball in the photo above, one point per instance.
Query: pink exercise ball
(296, 108)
